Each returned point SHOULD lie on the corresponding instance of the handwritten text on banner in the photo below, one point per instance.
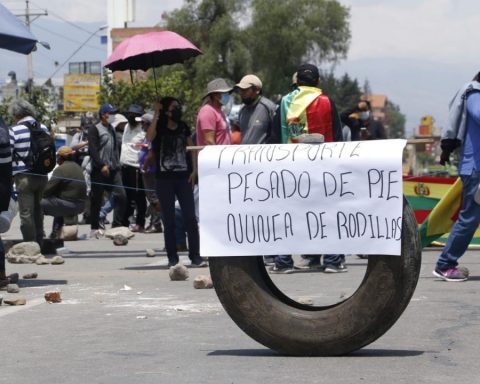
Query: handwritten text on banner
(301, 198)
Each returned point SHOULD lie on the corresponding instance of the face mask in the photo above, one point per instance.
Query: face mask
(176, 114)
(111, 119)
(248, 100)
(364, 115)
(225, 99)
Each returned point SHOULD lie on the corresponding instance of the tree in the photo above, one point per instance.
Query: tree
(211, 25)
(394, 120)
(271, 43)
(283, 34)
(345, 92)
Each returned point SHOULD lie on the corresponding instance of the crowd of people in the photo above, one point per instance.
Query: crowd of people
(136, 163)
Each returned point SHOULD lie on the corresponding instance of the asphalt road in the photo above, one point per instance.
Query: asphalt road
(123, 321)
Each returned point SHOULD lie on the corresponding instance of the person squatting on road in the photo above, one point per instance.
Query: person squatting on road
(65, 193)
(463, 130)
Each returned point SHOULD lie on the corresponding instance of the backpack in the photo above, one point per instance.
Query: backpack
(41, 158)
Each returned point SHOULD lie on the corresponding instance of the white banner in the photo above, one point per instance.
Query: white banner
(301, 198)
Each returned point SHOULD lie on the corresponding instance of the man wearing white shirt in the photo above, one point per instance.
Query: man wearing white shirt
(132, 141)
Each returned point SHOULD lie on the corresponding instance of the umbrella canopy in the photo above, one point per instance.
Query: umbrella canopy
(149, 50)
(14, 35)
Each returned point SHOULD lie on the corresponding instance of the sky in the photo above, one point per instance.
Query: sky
(417, 52)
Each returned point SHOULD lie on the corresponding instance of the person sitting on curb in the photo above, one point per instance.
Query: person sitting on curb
(66, 191)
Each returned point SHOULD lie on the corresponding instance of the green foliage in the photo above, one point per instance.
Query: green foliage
(395, 120)
(345, 92)
(172, 82)
(44, 104)
(266, 37)
(283, 34)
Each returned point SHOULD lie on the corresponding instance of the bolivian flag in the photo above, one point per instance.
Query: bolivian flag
(436, 202)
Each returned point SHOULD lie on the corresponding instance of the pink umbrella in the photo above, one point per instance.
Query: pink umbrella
(151, 50)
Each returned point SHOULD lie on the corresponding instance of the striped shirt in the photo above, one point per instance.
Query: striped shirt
(20, 143)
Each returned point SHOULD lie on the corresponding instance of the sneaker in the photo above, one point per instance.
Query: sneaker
(200, 263)
(137, 228)
(450, 274)
(285, 270)
(96, 234)
(330, 268)
(102, 223)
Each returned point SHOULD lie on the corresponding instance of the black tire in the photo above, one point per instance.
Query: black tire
(264, 313)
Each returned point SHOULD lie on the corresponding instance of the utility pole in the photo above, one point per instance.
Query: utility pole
(29, 18)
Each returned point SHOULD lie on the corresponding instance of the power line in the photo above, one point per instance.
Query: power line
(65, 37)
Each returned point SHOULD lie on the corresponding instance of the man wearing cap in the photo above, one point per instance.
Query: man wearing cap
(212, 127)
(148, 175)
(255, 119)
(306, 110)
(103, 148)
(132, 140)
(66, 191)
(303, 112)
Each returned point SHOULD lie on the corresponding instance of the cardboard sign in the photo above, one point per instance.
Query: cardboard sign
(301, 198)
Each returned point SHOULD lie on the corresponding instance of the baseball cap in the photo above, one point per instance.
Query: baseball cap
(145, 118)
(218, 85)
(107, 108)
(119, 118)
(64, 151)
(307, 73)
(135, 109)
(249, 81)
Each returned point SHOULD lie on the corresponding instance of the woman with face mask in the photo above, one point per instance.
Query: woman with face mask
(212, 126)
(175, 178)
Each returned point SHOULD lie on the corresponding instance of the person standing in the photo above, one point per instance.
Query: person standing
(174, 180)
(255, 119)
(212, 126)
(104, 152)
(5, 193)
(305, 113)
(464, 130)
(29, 187)
(132, 141)
(362, 124)
(66, 192)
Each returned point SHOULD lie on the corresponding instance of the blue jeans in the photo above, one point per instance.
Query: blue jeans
(284, 261)
(466, 225)
(330, 259)
(167, 190)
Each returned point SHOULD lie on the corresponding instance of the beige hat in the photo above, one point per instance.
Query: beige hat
(119, 118)
(218, 86)
(249, 81)
(64, 151)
